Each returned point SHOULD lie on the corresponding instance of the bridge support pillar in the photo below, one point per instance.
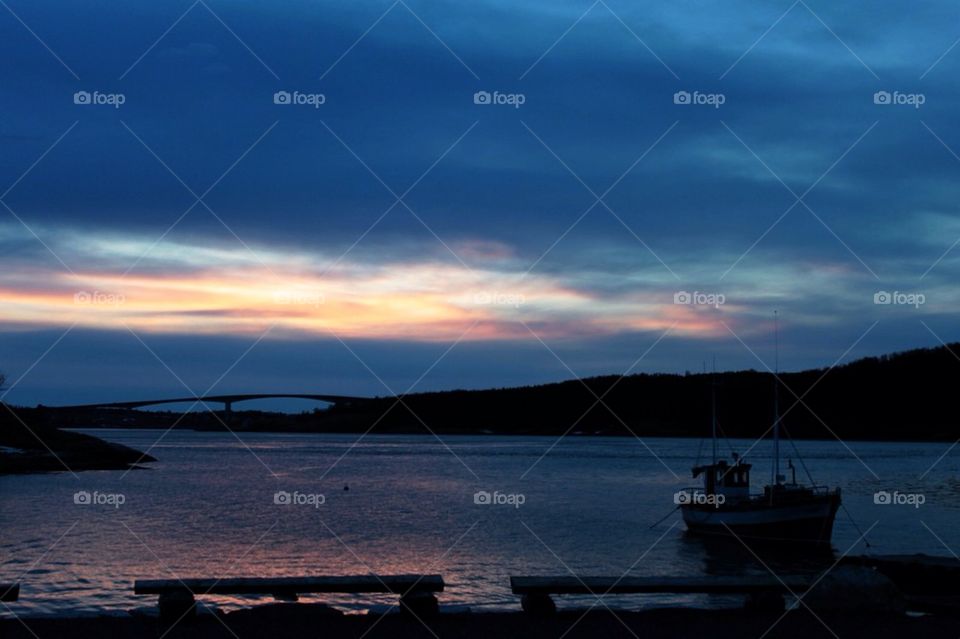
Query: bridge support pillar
(227, 412)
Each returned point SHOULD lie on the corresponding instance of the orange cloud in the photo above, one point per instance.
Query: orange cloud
(211, 291)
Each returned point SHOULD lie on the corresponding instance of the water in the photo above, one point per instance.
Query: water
(207, 508)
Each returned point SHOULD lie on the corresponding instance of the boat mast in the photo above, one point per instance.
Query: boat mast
(713, 408)
(776, 400)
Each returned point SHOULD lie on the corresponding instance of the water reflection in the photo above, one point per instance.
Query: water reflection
(730, 558)
(207, 508)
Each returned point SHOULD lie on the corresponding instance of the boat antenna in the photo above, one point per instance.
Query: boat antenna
(776, 400)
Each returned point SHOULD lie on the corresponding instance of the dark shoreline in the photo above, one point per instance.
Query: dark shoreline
(297, 621)
(465, 433)
(40, 447)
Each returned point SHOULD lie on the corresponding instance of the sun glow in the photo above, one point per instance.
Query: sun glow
(209, 291)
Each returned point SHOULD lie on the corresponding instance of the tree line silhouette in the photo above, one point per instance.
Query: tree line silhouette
(906, 396)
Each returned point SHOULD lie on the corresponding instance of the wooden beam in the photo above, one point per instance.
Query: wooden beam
(540, 585)
(397, 584)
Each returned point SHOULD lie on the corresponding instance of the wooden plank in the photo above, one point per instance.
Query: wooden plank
(631, 585)
(397, 584)
(9, 592)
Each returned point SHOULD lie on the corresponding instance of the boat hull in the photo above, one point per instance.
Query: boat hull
(810, 522)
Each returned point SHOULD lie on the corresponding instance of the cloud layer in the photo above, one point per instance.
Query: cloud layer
(800, 157)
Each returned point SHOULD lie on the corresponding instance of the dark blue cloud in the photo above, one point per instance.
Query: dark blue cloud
(399, 98)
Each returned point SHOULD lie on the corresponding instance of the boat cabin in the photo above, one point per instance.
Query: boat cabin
(721, 478)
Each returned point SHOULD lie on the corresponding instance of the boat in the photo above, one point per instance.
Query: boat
(785, 512)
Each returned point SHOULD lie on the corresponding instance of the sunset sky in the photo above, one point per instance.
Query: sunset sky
(654, 182)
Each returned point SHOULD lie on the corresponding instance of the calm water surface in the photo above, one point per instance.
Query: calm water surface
(207, 508)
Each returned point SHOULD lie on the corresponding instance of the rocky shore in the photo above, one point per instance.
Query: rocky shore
(31, 443)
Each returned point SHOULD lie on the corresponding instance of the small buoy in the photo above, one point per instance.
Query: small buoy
(345, 487)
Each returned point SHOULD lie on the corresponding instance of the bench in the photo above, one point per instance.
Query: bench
(762, 592)
(9, 592)
(177, 596)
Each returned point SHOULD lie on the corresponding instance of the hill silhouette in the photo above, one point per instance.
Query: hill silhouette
(906, 395)
(901, 396)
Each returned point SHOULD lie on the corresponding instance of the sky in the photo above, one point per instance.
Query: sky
(377, 197)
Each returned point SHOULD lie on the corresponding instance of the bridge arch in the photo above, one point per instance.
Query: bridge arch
(227, 400)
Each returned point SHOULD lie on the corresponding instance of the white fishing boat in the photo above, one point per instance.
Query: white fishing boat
(785, 511)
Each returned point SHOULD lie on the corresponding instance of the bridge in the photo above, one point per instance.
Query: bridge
(227, 400)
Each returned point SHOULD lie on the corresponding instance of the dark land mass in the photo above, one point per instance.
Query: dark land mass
(297, 621)
(33, 444)
(903, 396)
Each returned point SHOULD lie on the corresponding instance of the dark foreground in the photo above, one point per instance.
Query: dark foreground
(300, 621)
